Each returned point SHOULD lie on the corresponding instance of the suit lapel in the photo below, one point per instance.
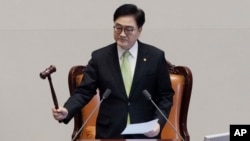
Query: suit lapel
(114, 66)
(139, 69)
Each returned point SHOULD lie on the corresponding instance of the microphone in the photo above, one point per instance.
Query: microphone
(105, 95)
(148, 96)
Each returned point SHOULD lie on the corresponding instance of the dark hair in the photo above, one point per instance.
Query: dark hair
(130, 9)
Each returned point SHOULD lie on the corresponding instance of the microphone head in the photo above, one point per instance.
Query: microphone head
(106, 93)
(146, 94)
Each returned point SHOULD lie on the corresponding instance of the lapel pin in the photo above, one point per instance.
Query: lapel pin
(145, 59)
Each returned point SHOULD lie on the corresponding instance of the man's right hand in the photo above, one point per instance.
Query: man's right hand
(60, 113)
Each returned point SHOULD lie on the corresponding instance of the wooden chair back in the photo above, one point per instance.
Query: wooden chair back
(181, 79)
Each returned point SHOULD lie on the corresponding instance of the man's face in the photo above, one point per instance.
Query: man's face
(126, 31)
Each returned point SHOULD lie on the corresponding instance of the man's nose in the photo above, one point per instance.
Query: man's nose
(123, 33)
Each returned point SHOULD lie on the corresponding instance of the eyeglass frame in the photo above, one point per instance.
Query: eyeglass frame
(126, 29)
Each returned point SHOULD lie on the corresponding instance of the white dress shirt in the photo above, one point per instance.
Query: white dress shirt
(132, 58)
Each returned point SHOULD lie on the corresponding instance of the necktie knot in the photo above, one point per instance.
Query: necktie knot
(126, 55)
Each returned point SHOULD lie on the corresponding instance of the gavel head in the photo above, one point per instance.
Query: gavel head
(47, 72)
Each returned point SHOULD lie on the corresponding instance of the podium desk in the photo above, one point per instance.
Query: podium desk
(129, 140)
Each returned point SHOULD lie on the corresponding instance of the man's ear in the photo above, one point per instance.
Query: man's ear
(140, 29)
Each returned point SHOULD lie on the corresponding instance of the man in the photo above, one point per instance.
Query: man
(146, 70)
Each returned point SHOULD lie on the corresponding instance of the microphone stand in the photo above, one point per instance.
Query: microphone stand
(148, 96)
(105, 95)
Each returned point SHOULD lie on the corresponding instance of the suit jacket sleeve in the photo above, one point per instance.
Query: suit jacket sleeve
(164, 98)
(83, 93)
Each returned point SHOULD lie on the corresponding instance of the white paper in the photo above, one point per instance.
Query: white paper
(140, 128)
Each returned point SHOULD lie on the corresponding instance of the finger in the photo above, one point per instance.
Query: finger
(149, 134)
(154, 132)
(58, 116)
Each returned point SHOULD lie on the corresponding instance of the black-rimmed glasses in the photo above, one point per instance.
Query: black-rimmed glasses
(127, 29)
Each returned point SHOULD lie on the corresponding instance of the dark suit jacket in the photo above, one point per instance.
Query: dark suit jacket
(103, 71)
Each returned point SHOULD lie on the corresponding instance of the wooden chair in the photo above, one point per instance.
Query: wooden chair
(181, 79)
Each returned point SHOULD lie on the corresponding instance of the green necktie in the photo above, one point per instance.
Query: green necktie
(126, 71)
(126, 74)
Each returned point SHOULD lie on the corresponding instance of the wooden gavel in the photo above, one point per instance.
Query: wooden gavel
(46, 73)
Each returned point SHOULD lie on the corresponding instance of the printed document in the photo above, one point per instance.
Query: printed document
(140, 128)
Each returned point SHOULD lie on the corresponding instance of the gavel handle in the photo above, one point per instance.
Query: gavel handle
(53, 92)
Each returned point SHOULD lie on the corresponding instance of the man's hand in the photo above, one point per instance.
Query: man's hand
(153, 132)
(60, 113)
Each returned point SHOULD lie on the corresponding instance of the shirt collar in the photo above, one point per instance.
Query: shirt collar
(133, 51)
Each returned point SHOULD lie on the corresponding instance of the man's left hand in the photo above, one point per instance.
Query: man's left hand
(153, 132)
